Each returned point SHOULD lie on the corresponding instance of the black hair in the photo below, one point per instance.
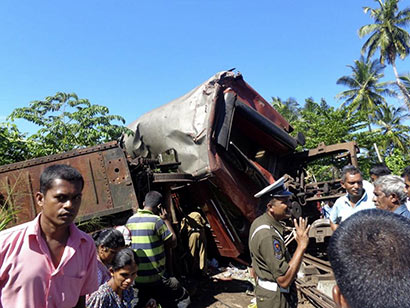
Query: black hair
(63, 172)
(370, 255)
(349, 169)
(109, 238)
(406, 172)
(380, 170)
(125, 256)
(152, 199)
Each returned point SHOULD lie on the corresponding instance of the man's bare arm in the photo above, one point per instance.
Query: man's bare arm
(333, 226)
(172, 241)
(302, 238)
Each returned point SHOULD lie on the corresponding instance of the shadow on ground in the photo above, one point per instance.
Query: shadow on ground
(220, 293)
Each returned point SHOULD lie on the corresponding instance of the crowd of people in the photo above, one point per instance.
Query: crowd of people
(49, 262)
(369, 250)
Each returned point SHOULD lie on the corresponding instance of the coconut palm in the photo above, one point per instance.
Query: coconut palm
(387, 34)
(365, 93)
(405, 79)
(289, 109)
(390, 119)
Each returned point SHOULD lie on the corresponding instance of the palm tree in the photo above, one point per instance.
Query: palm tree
(390, 118)
(289, 109)
(388, 36)
(366, 92)
(406, 81)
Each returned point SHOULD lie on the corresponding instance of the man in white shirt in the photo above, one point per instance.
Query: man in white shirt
(355, 200)
(406, 177)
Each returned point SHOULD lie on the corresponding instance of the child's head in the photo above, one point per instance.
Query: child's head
(124, 268)
(108, 242)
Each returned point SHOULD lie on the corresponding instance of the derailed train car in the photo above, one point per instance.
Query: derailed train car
(209, 151)
(229, 143)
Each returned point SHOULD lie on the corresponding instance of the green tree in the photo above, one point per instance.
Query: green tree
(387, 34)
(67, 123)
(13, 145)
(289, 109)
(396, 135)
(397, 161)
(366, 92)
(406, 81)
(320, 122)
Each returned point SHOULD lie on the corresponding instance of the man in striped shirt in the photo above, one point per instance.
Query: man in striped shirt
(151, 235)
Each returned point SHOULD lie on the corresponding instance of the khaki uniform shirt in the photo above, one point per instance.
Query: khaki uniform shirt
(270, 260)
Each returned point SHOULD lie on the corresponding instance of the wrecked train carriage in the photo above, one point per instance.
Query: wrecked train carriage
(227, 141)
(108, 192)
(211, 150)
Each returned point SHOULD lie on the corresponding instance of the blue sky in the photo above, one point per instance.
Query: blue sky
(133, 56)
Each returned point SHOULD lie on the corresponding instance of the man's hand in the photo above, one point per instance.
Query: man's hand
(163, 214)
(151, 304)
(301, 233)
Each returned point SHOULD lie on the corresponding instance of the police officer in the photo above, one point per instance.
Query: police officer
(274, 268)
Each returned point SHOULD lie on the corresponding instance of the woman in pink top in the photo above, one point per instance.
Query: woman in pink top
(108, 242)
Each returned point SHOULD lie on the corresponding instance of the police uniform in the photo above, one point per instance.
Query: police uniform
(270, 257)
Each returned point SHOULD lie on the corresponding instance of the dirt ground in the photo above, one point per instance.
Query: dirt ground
(222, 293)
(225, 294)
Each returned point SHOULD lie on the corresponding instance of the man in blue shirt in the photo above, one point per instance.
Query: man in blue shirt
(406, 177)
(355, 200)
(390, 195)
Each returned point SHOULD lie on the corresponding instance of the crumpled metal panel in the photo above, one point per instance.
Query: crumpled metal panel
(186, 124)
(181, 124)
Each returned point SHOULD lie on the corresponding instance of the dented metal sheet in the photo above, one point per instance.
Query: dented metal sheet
(188, 123)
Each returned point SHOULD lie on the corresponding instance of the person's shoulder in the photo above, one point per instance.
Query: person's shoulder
(403, 211)
(368, 186)
(101, 297)
(340, 201)
(143, 215)
(15, 231)
(133, 217)
(406, 213)
(85, 238)
(258, 220)
(14, 237)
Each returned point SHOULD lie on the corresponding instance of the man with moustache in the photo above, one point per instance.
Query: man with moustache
(273, 266)
(390, 195)
(49, 262)
(356, 198)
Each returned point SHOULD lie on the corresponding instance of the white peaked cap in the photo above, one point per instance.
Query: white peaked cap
(276, 189)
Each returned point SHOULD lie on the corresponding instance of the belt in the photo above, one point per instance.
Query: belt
(271, 286)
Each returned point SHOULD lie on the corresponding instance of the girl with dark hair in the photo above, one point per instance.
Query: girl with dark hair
(108, 242)
(118, 292)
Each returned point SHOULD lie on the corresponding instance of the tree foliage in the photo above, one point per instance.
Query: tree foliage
(289, 109)
(396, 161)
(396, 135)
(320, 122)
(13, 145)
(388, 36)
(366, 92)
(67, 122)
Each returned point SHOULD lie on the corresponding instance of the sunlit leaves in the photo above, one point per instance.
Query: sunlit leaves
(67, 122)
